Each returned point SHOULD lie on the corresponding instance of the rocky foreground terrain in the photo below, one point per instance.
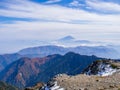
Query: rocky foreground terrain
(85, 82)
(108, 80)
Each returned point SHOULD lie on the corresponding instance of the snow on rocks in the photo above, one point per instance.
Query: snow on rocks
(102, 68)
(56, 87)
(105, 70)
(52, 85)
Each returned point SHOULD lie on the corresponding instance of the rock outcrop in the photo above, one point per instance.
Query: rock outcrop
(38, 86)
(102, 67)
(85, 82)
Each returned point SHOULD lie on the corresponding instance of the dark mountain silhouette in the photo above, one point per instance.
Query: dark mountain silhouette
(26, 71)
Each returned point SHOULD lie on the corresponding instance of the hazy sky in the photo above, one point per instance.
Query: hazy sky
(26, 20)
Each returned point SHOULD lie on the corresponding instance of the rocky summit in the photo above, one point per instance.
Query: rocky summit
(91, 81)
(102, 67)
(85, 82)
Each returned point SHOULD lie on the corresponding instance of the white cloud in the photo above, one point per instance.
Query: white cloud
(53, 21)
(52, 17)
(104, 6)
(54, 13)
(52, 1)
(76, 3)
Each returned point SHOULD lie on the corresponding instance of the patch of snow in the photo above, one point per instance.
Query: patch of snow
(20, 74)
(56, 87)
(61, 89)
(105, 70)
(89, 72)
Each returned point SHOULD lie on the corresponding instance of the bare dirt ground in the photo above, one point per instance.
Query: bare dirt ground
(85, 82)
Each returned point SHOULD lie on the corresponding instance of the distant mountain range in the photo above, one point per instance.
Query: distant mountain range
(70, 41)
(26, 71)
(67, 41)
(100, 51)
(42, 51)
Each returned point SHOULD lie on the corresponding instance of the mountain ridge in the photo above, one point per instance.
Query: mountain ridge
(26, 71)
(42, 51)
